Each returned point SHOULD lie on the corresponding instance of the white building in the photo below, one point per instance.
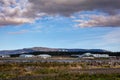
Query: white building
(4, 56)
(44, 56)
(101, 55)
(26, 55)
(89, 55)
(96, 55)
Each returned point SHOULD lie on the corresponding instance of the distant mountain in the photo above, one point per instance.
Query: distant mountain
(45, 49)
(97, 50)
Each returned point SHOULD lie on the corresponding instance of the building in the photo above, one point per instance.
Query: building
(101, 55)
(87, 56)
(91, 56)
(96, 55)
(4, 56)
(26, 55)
(44, 56)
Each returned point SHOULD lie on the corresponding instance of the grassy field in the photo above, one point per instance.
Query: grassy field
(57, 71)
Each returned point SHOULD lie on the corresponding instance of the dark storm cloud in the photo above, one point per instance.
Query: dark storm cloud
(68, 7)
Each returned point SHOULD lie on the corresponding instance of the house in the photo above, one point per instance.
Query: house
(4, 56)
(26, 55)
(44, 56)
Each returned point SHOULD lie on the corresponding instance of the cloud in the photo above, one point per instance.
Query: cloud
(100, 21)
(112, 37)
(11, 13)
(13, 21)
(19, 32)
(35, 29)
(15, 12)
(68, 7)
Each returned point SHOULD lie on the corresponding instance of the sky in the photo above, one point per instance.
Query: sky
(83, 24)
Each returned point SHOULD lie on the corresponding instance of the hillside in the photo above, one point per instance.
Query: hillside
(45, 49)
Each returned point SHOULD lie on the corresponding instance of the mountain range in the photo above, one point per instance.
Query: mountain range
(45, 49)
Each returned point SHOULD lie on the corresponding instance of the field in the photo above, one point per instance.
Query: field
(37, 69)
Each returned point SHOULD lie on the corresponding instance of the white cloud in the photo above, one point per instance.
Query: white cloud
(35, 29)
(19, 32)
(112, 37)
(11, 12)
(99, 21)
(15, 12)
(13, 21)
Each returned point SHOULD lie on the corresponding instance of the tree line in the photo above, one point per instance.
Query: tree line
(68, 53)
